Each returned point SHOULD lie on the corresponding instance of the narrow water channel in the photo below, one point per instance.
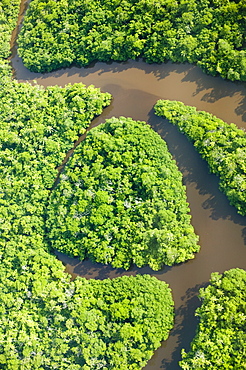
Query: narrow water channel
(136, 87)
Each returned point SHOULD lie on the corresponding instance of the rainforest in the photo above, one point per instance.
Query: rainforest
(117, 197)
(209, 33)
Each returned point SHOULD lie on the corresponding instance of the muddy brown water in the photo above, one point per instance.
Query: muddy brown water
(135, 87)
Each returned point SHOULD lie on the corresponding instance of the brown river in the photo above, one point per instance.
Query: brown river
(135, 87)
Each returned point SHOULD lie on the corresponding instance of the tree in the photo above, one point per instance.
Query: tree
(222, 145)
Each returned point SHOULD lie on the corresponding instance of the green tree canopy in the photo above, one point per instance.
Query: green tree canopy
(208, 33)
(37, 128)
(49, 322)
(121, 200)
(220, 341)
(222, 145)
(9, 10)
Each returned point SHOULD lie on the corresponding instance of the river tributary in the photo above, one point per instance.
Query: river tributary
(135, 87)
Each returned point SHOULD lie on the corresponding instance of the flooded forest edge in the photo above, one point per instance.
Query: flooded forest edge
(135, 87)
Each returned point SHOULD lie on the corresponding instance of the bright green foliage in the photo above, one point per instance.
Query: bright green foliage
(121, 200)
(48, 322)
(222, 145)
(5, 71)
(9, 10)
(37, 128)
(122, 320)
(208, 33)
(220, 342)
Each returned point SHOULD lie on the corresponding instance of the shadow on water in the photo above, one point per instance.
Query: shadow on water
(215, 221)
(167, 77)
(185, 326)
(241, 109)
(135, 87)
(244, 235)
(195, 170)
(213, 92)
(93, 270)
(185, 322)
(160, 71)
(196, 173)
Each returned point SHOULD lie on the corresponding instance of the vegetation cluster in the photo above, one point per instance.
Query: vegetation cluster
(48, 322)
(222, 145)
(121, 200)
(220, 342)
(38, 127)
(9, 10)
(210, 33)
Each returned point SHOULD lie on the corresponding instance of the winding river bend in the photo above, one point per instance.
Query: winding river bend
(136, 87)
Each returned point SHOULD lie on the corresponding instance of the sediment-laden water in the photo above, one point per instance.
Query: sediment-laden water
(136, 87)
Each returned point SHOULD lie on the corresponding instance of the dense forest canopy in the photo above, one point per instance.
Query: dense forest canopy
(37, 128)
(47, 321)
(121, 200)
(222, 145)
(9, 10)
(210, 33)
(220, 342)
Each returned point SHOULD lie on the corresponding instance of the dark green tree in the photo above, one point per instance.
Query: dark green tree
(220, 341)
(121, 200)
(208, 33)
(222, 145)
